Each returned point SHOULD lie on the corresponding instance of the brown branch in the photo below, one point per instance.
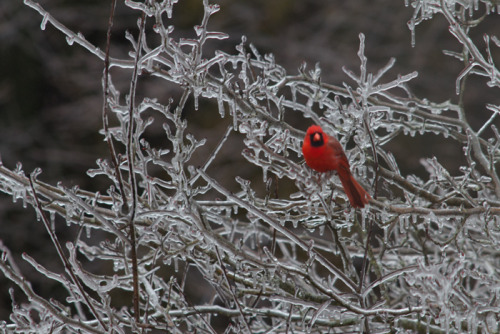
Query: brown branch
(105, 109)
(235, 299)
(60, 252)
(131, 146)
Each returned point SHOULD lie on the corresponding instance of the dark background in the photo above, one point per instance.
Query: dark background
(51, 97)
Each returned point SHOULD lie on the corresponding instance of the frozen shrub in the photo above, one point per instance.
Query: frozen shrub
(423, 256)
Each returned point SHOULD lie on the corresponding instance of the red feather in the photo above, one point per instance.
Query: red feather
(323, 153)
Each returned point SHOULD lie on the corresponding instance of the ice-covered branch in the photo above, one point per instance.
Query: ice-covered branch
(237, 234)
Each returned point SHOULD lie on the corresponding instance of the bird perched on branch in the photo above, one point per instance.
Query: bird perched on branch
(323, 154)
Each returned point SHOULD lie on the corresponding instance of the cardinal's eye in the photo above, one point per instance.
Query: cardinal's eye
(317, 139)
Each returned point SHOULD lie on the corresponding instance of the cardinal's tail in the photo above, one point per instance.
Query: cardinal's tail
(354, 191)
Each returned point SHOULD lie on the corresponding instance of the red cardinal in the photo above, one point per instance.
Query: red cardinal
(323, 154)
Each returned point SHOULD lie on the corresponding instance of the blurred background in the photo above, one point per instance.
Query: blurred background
(51, 96)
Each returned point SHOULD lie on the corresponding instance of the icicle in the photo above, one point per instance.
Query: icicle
(44, 21)
(70, 40)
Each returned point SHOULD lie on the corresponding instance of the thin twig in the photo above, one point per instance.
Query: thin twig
(106, 106)
(60, 252)
(26, 287)
(131, 146)
(235, 299)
